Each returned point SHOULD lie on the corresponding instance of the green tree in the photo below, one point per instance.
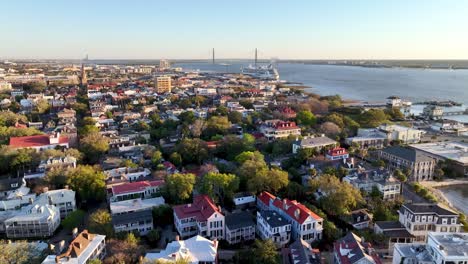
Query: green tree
(179, 187)
(373, 118)
(42, 106)
(21, 252)
(164, 215)
(217, 125)
(338, 198)
(175, 158)
(269, 180)
(235, 117)
(95, 261)
(154, 236)
(219, 185)
(88, 182)
(187, 117)
(400, 175)
(193, 150)
(100, 222)
(128, 164)
(265, 252)
(231, 146)
(306, 118)
(93, 146)
(74, 219)
(156, 158)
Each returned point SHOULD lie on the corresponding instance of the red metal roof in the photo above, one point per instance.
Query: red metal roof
(289, 207)
(266, 197)
(34, 141)
(201, 209)
(135, 186)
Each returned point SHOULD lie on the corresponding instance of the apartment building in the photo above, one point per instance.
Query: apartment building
(305, 223)
(163, 84)
(202, 217)
(271, 225)
(83, 248)
(421, 165)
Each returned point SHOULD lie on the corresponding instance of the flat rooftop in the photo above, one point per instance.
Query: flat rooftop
(451, 244)
(457, 151)
(414, 251)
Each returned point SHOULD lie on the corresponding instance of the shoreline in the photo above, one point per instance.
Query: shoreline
(442, 198)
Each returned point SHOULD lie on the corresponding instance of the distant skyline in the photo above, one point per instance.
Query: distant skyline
(303, 29)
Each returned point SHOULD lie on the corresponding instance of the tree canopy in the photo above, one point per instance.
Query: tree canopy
(179, 187)
(219, 185)
(88, 182)
(338, 198)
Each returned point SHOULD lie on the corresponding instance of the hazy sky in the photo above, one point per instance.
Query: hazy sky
(308, 29)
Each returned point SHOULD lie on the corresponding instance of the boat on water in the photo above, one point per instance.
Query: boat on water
(262, 72)
(269, 72)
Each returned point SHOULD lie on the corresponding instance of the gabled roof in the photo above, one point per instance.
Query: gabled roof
(351, 249)
(296, 211)
(265, 198)
(201, 209)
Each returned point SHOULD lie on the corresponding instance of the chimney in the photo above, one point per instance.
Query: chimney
(297, 213)
(177, 238)
(45, 189)
(52, 248)
(61, 245)
(67, 187)
(215, 243)
(75, 232)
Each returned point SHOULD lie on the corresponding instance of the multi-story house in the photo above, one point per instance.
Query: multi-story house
(312, 142)
(420, 219)
(134, 215)
(401, 133)
(419, 164)
(239, 227)
(133, 190)
(36, 221)
(351, 249)
(139, 221)
(63, 199)
(382, 179)
(271, 225)
(275, 129)
(305, 223)
(202, 217)
(83, 248)
(440, 248)
(337, 154)
(368, 138)
(195, 250)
